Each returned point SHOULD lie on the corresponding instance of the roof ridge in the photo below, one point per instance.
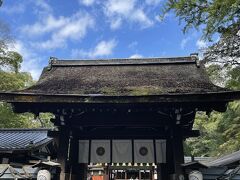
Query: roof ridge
(120, 61)
(106, 59)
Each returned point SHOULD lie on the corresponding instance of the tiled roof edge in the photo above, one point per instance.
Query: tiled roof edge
(24, 129)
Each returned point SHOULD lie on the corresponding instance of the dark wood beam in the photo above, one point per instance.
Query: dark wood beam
(191, 133)
(126, 133)
(207, 97)
(54, 107)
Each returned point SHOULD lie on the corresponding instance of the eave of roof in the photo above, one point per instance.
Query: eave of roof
(52, 103)
(194, 164)
(17, 140)
(225, 160)
(19, 97)
(23, 129)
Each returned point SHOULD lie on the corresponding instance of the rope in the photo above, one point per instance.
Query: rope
(230, 175)
(16, 174)
(3, 172)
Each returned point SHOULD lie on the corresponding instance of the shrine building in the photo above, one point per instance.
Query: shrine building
(126, 111)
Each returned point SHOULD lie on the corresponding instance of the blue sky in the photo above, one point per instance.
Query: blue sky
(92, 29)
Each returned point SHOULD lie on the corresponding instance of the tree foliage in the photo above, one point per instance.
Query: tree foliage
(220, 132)
(9, 119)
(226, 51)
(9, 60)
(222, 16)
(208, 142)
(14, 81)
(11, 79)
(212, 17)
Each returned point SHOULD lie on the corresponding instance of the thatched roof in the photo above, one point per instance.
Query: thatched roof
(123, 77)
(124, 81)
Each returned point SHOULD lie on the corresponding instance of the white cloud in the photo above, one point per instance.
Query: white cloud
(87, 2)
(60, 29)
(190, 39)
(116, 23)
(201, 44)
(141, 17)
(49, 24)
(31, 61)
(158, 18)
(117, 11)
(132, 45)
(14, 9)
(136, 56)
(103, 48)
(52, 43)
(184, 42)
(42, 7)
(152, 2)
(120, 7)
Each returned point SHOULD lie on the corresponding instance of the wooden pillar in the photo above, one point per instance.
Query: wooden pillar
(67, 156)
(165, 172)
(77, 170)
(106, 173)
(62, 155)
(109, 173)
(175, 149)
(162, 173)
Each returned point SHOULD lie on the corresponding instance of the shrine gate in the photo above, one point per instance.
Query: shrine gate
(122, 110)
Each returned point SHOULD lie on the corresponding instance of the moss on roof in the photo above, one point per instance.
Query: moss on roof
(135, 77)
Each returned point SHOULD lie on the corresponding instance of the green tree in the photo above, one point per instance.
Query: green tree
(234, 78)
(15, 80)
(220, 131)
(217, 16)
(212, 17)
(229, 125)
(207, 143)
(9, 60)
(11, 79)
(9, 119)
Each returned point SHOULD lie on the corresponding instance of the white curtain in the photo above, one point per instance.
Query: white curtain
(83, 151)
(100, 151)
(143, 151)
(161, 150)
(121, 151)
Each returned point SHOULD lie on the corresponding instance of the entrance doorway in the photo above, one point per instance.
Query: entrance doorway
(136, 172)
